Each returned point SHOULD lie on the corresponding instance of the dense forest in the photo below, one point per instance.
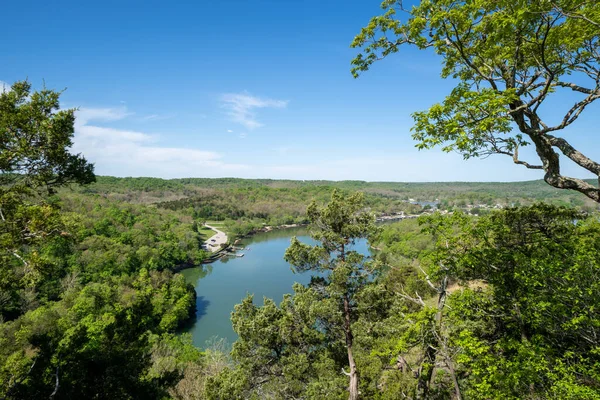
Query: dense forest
(500, 306)
(253, 193)
(483, 291)
(458, 304)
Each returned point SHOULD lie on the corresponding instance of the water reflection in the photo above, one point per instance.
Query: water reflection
(262, 272)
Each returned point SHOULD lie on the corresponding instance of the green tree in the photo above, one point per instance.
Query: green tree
(35, 137)
(510, 58)
(525, 326)
(97, 342)
(337, 226)
(280, 352)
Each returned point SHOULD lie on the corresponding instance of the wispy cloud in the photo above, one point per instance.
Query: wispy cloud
(241, 107)
(155, 117)
(150, 117)
(123, 152)
(85, 115)
(229, 131)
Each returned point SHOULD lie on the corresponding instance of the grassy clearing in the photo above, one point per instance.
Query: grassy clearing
(206, 233)
(216, 224)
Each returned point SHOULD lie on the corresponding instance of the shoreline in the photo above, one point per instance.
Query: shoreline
(220, 253)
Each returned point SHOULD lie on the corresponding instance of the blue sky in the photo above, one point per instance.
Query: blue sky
(245, 88)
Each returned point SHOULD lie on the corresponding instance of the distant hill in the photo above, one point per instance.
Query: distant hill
(156, 190)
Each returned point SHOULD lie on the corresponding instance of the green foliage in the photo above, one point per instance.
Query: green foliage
(534, 318)
(34, 160)
(298, 348)
(35, 138)
(80, 314)
(502, 306)
(95, 341)
(280, 350)
(509, 59)
(276, 202)
(118, 238)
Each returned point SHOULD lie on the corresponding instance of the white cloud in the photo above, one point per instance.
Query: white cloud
(241, 106)
(150, 117)
(229, 131)
(123, 152)
(155, 117)
(84, 115)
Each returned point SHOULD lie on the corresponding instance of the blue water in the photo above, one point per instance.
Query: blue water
(262, 272)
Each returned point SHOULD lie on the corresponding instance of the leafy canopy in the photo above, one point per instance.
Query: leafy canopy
(35, 137)
(510, 58)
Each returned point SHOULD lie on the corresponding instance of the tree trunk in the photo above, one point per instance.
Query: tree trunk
(425, 372)
(544, 147)
(353, 375)
(353, 386)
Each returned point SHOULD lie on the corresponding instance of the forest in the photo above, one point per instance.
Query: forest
(91, 303)
(488, 291)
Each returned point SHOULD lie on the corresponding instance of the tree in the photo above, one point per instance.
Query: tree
(97, 341)
(35, 138)
(280, 352)
(511, 58)
(34, 160)
(525, 324)
(337, 226)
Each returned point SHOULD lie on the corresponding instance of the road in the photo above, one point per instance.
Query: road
(214, 243)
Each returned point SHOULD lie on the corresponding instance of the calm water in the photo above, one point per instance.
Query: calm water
(262, 272)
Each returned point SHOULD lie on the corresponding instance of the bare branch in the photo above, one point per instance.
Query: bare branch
(574, 15)
(575, 87)
(516, 160)
(417, 300)
(14, 253)
(573, 113)
(575, 155)
(57, 385)
(428, 280)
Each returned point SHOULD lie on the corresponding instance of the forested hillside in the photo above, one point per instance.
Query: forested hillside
(88, 302)
(387, 290)
(284, 192)
(451, 306)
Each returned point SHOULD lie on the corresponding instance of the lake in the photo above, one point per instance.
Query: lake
(262, 272)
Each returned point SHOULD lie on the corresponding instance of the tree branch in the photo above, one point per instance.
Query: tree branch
(575, 87)
(516, 160)
(573, 113)
(575, 16)
(57, 385)
(575, 155)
